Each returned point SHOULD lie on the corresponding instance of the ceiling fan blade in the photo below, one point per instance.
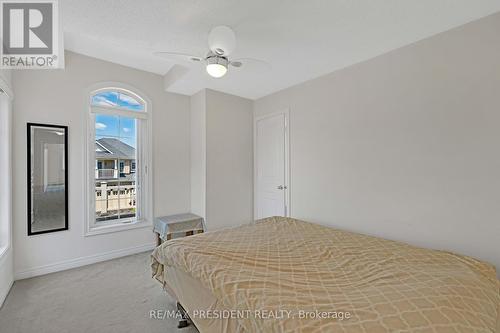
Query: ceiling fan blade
(222, 40)
(179, 57)
(251, 62)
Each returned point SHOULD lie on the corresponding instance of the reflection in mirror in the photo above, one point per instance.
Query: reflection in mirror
(47, 178)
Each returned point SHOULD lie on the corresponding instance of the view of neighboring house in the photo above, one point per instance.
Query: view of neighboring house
(115, 179)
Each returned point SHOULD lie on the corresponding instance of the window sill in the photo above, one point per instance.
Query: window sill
(106, 229)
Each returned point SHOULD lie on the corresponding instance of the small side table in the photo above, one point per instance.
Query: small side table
(187, 223)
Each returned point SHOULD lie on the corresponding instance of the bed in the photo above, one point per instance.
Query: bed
(286, 275)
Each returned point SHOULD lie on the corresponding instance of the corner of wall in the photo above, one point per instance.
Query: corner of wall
(6, 258)
(198, 152)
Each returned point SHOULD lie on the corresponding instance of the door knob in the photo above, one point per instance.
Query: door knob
(281, 187)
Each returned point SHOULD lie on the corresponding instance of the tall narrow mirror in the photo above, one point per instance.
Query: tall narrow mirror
(47, 178)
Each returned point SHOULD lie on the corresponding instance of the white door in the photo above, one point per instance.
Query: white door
(271, 166)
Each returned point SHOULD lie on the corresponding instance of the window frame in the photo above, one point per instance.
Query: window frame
(144, 158)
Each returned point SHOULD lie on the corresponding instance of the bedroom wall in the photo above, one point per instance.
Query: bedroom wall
(58, 96)
(229, 154)
(404, 146)
(221, 158)
(198, 153)
(6, 253)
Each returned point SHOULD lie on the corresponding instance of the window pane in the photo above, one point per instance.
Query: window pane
(116, 166)
(108, 98)
(129, 102)
(127, 203)
(106, 210)
(117, 99)
(106, 170)
(107, 125)
(127, 127)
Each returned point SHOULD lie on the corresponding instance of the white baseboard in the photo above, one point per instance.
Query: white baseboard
(82, 261)
(6, 276)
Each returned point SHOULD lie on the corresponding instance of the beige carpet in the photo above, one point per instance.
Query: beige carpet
(112, 296)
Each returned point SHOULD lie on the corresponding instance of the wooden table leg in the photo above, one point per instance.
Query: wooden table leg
(158, 240)
(169, 236)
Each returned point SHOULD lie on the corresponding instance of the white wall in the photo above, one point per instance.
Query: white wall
(406, 145)
(221, 158)
(229, 154)
(198, 153)
(58, 97)
(6, 253)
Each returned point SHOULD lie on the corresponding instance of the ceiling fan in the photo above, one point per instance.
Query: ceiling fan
(221, 43)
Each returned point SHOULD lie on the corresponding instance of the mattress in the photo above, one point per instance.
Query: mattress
(199, 302)
(286, 275)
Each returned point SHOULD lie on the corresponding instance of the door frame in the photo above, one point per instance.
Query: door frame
(286, 113)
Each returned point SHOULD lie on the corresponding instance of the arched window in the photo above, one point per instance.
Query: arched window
(119, 154)
(118, 99)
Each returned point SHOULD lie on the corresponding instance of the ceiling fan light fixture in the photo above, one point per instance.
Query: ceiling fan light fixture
(216, 70)
(217, 66)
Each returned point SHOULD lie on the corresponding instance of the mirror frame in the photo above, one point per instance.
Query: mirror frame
(28, 179)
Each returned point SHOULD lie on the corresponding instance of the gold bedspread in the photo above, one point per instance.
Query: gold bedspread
(282, 264)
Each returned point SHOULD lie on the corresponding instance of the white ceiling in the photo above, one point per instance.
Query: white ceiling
(301, 39)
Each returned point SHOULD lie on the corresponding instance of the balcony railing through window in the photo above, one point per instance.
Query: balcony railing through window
(106, 174)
